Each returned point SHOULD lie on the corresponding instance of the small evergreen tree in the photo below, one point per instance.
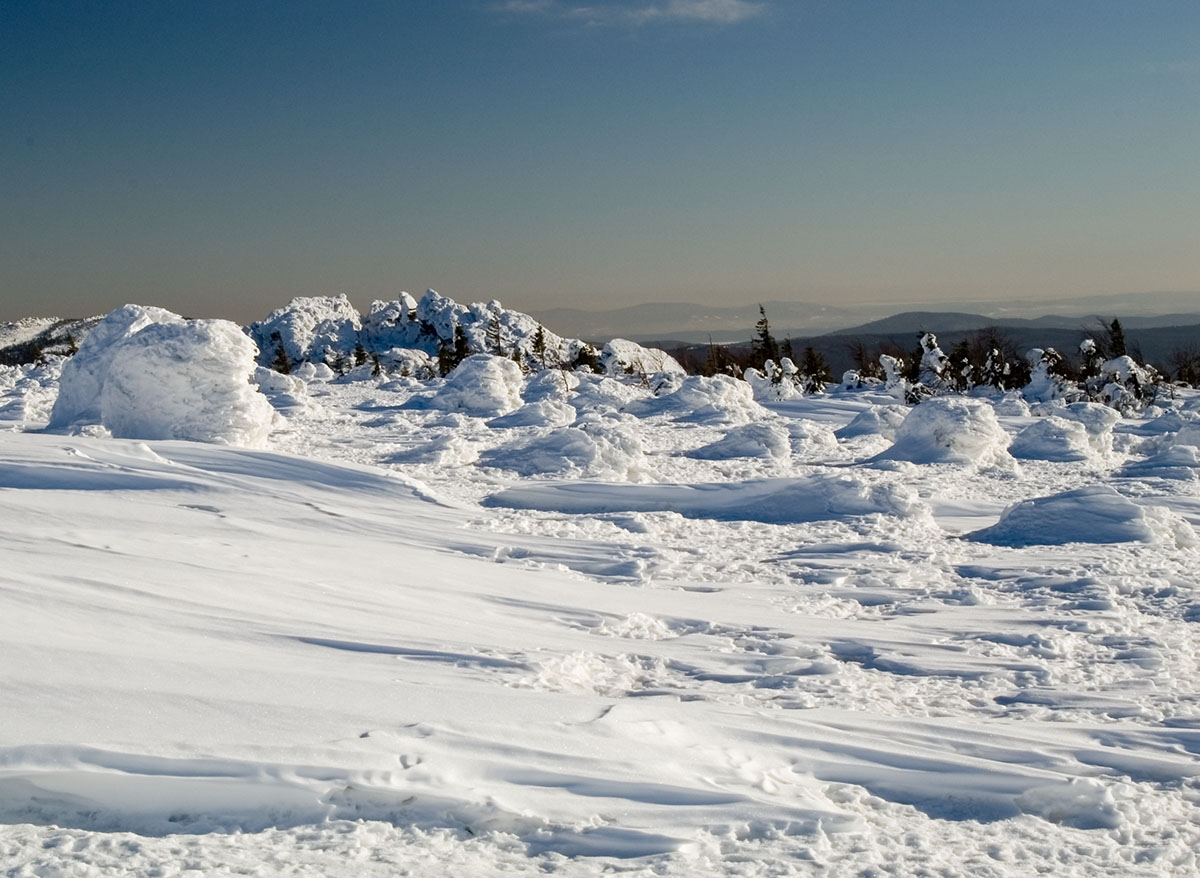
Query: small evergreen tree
(495, 344)
(814, 371)
(587, 358)
(360, 354)
(1116, 339)
(763, 346)
(376, 366)
(281, 363)
(445, 357)
(786, 350)
(539, 347)
(462, 348)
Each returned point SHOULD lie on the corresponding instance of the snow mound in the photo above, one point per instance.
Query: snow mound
(448, 450)
(749, 440)
(878, 420)
(551, 384)
(309, 328)
(483, 386)
(1179, 462)
(716, 400)
(27, 393)
(1189, 434)
(543, 413)
(623, 357)
(287, 393)
(1011, 405)
(84, 374)
(1097, 419)
(1081, 803)
(1052, 439)
(772, 501)
(809, 437)
(1092, 514)
(186, 381)
(950, 430)
(595, 450)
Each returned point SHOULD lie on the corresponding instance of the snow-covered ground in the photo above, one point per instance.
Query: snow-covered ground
(578, 625)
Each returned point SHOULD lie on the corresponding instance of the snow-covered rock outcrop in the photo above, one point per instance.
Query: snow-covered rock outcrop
(146, 373)
(186, 381)
(83, 375)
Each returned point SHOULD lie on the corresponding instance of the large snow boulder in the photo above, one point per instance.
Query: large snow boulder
(1054, 439)
(309, 328)
(186, 381)
(84, 374)
(483, 386)
(1177, 462)
(1093, 514)
(948, 429)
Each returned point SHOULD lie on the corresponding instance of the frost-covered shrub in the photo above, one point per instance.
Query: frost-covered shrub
(949, 429)
(186, 381)
(776, 382)
(84, 374)
(749, 440)
(1052, 439)
(483, 386)
(1047, 380)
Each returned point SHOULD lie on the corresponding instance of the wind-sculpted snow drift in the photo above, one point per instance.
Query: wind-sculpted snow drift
(406, 636)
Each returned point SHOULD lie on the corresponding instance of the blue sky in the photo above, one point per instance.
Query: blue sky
(219, 157)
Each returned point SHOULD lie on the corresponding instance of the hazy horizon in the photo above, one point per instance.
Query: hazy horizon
(220, 158)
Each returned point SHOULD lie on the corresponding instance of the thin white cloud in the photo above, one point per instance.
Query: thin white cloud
(639, 13)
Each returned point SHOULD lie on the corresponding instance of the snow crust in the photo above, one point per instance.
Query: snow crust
(513, 623)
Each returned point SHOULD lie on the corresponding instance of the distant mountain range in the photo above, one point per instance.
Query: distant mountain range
(685, 323)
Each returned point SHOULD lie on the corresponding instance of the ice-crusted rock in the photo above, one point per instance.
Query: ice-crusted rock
(749, 440)
(185, 380)
(483, 386)
(309, 328)
(1092, 514)
(1052, 439)
(950, 429)
(84, 374)
(878, 420)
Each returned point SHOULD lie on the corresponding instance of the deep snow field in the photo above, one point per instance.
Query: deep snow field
(577, 625)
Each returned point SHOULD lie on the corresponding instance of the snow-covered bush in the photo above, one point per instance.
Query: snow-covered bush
(483, 386)
(949, 429)
(185, 380)
(84, 374)
(1047, 380)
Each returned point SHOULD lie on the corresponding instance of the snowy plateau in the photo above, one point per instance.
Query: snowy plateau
(579, 621)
